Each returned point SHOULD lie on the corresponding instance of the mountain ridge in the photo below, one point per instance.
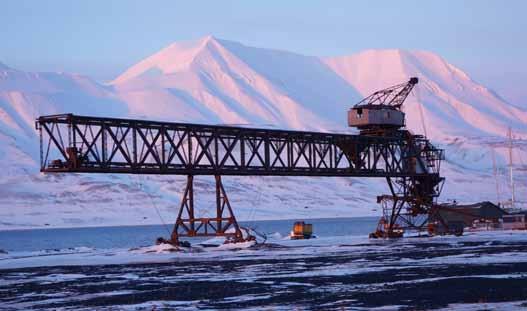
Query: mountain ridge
(217, 81)
(269, 67)
(447, 92)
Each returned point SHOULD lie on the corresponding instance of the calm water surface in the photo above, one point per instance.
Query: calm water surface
(133, 236)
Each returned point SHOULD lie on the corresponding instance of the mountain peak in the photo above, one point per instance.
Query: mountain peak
(191, 44)
(173, 58)
(209, 38)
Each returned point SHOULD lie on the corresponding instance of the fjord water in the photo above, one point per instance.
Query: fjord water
(134, 236)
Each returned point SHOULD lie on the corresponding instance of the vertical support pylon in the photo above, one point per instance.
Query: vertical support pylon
(400, 209)
(219, 203)
(224, 224)
(187, 207)
(409, 206)
(222, 202)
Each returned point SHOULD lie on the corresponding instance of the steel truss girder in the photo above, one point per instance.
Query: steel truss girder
(106, 145)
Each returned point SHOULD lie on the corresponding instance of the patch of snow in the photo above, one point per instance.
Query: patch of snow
(239, 245)
(158, 249)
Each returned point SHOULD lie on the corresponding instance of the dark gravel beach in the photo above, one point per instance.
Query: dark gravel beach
(406, 276)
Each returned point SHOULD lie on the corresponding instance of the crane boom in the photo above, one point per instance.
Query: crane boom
(393, 96)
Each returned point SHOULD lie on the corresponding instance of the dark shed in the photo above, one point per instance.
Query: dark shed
(468, 213)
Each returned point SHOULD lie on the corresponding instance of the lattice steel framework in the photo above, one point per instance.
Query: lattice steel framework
(82, 144)
(393, 96)
(71, 143)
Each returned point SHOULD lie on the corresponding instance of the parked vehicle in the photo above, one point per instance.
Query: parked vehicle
(301, 231)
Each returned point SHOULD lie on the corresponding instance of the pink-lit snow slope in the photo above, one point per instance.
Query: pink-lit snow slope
(453, 104)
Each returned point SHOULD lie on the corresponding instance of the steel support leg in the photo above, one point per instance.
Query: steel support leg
(222, 202)
(185, 219)
(224, 224)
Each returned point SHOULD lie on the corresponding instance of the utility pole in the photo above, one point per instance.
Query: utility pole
(495, 170)
(510, 168)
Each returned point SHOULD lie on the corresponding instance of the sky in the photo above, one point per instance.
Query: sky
(102, 38)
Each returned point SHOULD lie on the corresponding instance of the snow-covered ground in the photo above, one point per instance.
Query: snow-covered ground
(218, 81)
(279, 247)
(348, 272)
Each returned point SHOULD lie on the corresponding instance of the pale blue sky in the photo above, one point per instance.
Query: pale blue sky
(101, 38)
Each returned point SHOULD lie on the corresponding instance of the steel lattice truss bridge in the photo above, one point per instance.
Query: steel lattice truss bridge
(81, 144)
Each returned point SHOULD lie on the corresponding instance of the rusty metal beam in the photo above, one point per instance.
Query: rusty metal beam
(192, 149)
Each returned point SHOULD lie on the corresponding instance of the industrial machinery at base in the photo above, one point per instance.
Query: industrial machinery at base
(384, 149)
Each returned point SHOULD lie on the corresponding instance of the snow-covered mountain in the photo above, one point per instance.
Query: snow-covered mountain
(26, 95)
(212, 80)
(453, 104)
(219, 81)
